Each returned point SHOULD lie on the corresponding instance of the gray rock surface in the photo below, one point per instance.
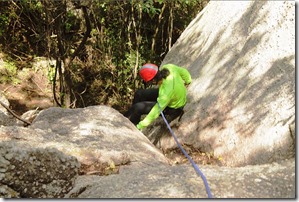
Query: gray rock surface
(98, 138)
(64, 151)
(275, 180)
(241, 103)
(96, 135)
(35, 172)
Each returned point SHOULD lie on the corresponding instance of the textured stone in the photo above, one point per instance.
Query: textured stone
(275, 180)
(241, 103)
(35, 172)
(97, 135)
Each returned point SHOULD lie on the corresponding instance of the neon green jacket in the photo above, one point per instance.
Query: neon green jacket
(172, 93)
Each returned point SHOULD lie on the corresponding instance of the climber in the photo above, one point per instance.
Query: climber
(171, 94)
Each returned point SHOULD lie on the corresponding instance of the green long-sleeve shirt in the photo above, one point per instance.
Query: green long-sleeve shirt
(172, 93)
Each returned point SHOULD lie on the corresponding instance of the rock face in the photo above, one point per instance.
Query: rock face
(35, 172)
(275, 180)
(241, 103)
(96, 135)
(43, 160)
(64, 151)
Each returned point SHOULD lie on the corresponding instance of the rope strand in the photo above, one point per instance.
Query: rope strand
(188, 157)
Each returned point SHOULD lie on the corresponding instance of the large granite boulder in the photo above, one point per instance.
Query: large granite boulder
(43, 160)
(241, 103)
(96, 135)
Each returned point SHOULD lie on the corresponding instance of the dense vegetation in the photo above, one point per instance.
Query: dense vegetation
(98, 46)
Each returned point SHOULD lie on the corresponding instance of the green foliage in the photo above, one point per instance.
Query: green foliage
(8, 73)
(130, 61)
(149, 8)
(5, 16)
(72, 22)
(3, 23)
(105, 70)
(51, 73)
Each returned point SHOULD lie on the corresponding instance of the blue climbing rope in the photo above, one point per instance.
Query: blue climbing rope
(188, 157)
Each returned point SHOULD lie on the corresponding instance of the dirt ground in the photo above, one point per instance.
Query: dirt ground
(200, 158)
(31, 92)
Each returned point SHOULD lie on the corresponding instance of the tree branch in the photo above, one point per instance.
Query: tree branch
(15, 115)
(86, 35)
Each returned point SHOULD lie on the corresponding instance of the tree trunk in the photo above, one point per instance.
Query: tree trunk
(170, 26)
(157, 29)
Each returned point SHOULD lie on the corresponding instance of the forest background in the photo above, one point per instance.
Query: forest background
(96, 47)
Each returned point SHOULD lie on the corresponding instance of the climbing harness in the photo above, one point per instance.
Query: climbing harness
(188, 157)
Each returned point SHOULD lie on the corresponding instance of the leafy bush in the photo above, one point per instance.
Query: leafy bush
(98, 45)
(8, 72)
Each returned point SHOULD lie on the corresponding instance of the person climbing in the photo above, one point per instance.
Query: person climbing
(171, 94)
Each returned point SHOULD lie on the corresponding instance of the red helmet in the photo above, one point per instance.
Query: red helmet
(148, 71)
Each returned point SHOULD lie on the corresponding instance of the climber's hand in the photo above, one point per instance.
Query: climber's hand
(139, 126)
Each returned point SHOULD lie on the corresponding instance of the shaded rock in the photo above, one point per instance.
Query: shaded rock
(241, 103)
(35, 172)
(6, 192)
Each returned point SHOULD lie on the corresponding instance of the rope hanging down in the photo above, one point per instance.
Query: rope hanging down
(188, 157)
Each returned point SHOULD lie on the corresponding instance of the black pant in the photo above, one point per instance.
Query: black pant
(144, 100)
